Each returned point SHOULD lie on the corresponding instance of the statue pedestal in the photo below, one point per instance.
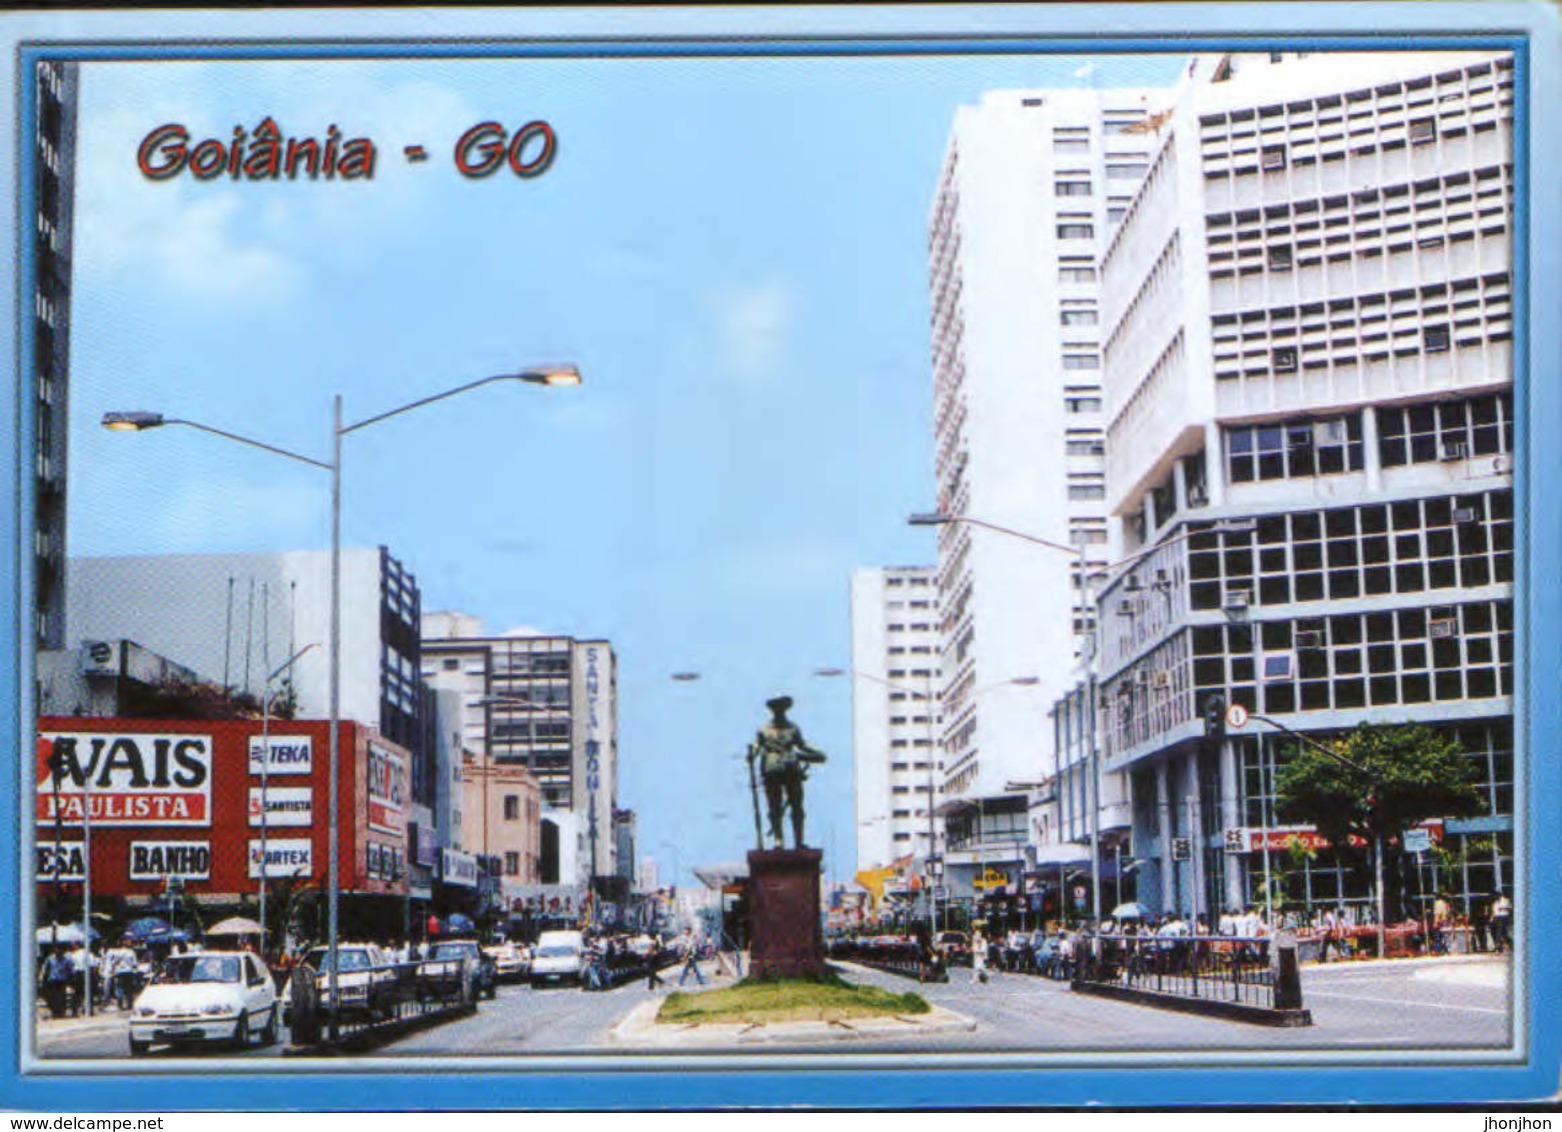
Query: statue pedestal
(786, 938)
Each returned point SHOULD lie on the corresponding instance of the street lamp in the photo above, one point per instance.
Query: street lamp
(140, 421)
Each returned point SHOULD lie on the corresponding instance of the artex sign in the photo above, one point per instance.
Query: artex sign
(110, 779)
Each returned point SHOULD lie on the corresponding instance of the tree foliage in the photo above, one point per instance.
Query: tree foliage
(1388, 779)
(175, 698)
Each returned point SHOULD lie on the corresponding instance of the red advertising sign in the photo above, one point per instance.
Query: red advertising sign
(387, 790)
(124, 778)
(1282, 838)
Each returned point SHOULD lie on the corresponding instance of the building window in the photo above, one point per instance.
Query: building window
(1274, 158)
(451, 663)
(512, 864)
(1072, 188)
(1077, 317)
(1294, 449)
(1076, 231)
(512, 808)
(1126, 170)
(1283, 359)
(1436, 338)
(1076, 270)
(1423, 131)
(1081, 361)
(1082, 404)
(1280, 257)
(1421, 434)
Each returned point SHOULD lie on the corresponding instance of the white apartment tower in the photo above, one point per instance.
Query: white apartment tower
(1305, 322)
(895, 675)
(1032, 184)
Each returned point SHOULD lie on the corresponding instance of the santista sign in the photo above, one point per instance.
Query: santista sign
(124, 779)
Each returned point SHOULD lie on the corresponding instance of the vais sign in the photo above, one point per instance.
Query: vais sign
(124, 779)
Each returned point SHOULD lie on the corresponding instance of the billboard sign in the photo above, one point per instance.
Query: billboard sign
(387, 790)
(285, 806)
(284, 857)
(127, 778)
(155, 860)
(67, 856)
(290, 754)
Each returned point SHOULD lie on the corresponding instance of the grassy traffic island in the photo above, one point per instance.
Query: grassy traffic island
(754, 1002)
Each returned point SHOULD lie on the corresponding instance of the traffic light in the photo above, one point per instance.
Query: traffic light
(1215, 716)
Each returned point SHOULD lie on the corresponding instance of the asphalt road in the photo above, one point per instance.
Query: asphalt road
(1358, 1007)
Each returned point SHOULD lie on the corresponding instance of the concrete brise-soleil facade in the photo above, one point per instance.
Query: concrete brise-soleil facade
(1309, 431)
(894, 714)
(536, 708)
(1032, 182)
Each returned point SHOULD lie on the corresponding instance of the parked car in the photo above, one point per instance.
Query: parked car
(511, 963)
(214, 996)
(956, 947)
(438, 967)
(558, 958)
(366, 976)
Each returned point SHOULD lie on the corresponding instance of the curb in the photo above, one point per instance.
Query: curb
(641, 1030)
(61, 1027)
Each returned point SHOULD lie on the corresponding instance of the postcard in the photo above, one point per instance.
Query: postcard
(898, 557)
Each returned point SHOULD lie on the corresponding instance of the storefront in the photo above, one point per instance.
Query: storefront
(209, 811)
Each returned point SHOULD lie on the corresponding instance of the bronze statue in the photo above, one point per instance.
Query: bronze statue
(783, 759)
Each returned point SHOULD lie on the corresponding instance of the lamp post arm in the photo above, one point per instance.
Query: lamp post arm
(1010, 531)
(418, 404)
(253, 443)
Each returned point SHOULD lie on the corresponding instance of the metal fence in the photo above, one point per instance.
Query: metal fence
(1207, 968)
(376, 1003)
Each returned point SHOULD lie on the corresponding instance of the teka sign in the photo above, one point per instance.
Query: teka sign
(124, 778)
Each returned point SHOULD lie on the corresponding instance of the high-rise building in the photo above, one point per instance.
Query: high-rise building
(241, 616)
(542, 704)
(1306, 323)
(1032, 184)
(894, 713)
(55, 157)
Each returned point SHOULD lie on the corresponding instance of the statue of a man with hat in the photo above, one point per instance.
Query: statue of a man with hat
(783, 758)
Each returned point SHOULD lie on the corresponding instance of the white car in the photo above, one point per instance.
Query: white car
(213, 996)
(510, 961)
(559, 958)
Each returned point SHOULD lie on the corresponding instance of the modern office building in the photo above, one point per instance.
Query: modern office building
(895, 676)
(1305, 322)
(540, 704)
(238, 617)
(1032, 184)
(54, 154)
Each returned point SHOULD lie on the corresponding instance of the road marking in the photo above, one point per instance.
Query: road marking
(1311, 994)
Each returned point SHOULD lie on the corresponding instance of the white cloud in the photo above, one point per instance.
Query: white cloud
(221, 241)
(753, 325)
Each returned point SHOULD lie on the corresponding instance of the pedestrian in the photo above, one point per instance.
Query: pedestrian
(58, 974)
(653, 977)
(119, 973)
(1501, 923)
(978, 957)
(691, 951)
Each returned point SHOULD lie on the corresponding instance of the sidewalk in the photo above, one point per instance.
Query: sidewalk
(101, 1021)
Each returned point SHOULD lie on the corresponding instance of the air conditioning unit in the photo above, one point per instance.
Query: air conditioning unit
(1125, 608)
(1277, 666)
(1238, 599)
(1309, 638)
(1329, 432)
(1501, 465)
(1161, 680)
(1452, 450)
(1141, 677)
(1464, 514)
(1197, 497)
(1442, 627)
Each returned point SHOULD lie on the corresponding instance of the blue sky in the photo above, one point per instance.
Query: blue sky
(732, 250)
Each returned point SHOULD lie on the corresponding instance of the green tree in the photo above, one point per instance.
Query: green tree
(1380, 781)
(1375, 782)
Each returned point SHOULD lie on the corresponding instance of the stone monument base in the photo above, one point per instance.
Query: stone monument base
(786, 938)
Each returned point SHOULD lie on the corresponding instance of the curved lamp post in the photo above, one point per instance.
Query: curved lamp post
(140, 421)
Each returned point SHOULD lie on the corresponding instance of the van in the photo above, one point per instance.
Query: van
(558, 958)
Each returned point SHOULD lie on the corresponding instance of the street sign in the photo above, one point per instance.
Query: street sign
(940, 892)
(1418, 840)
(1182, 849)
(1236, 840)
(1236, 717)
